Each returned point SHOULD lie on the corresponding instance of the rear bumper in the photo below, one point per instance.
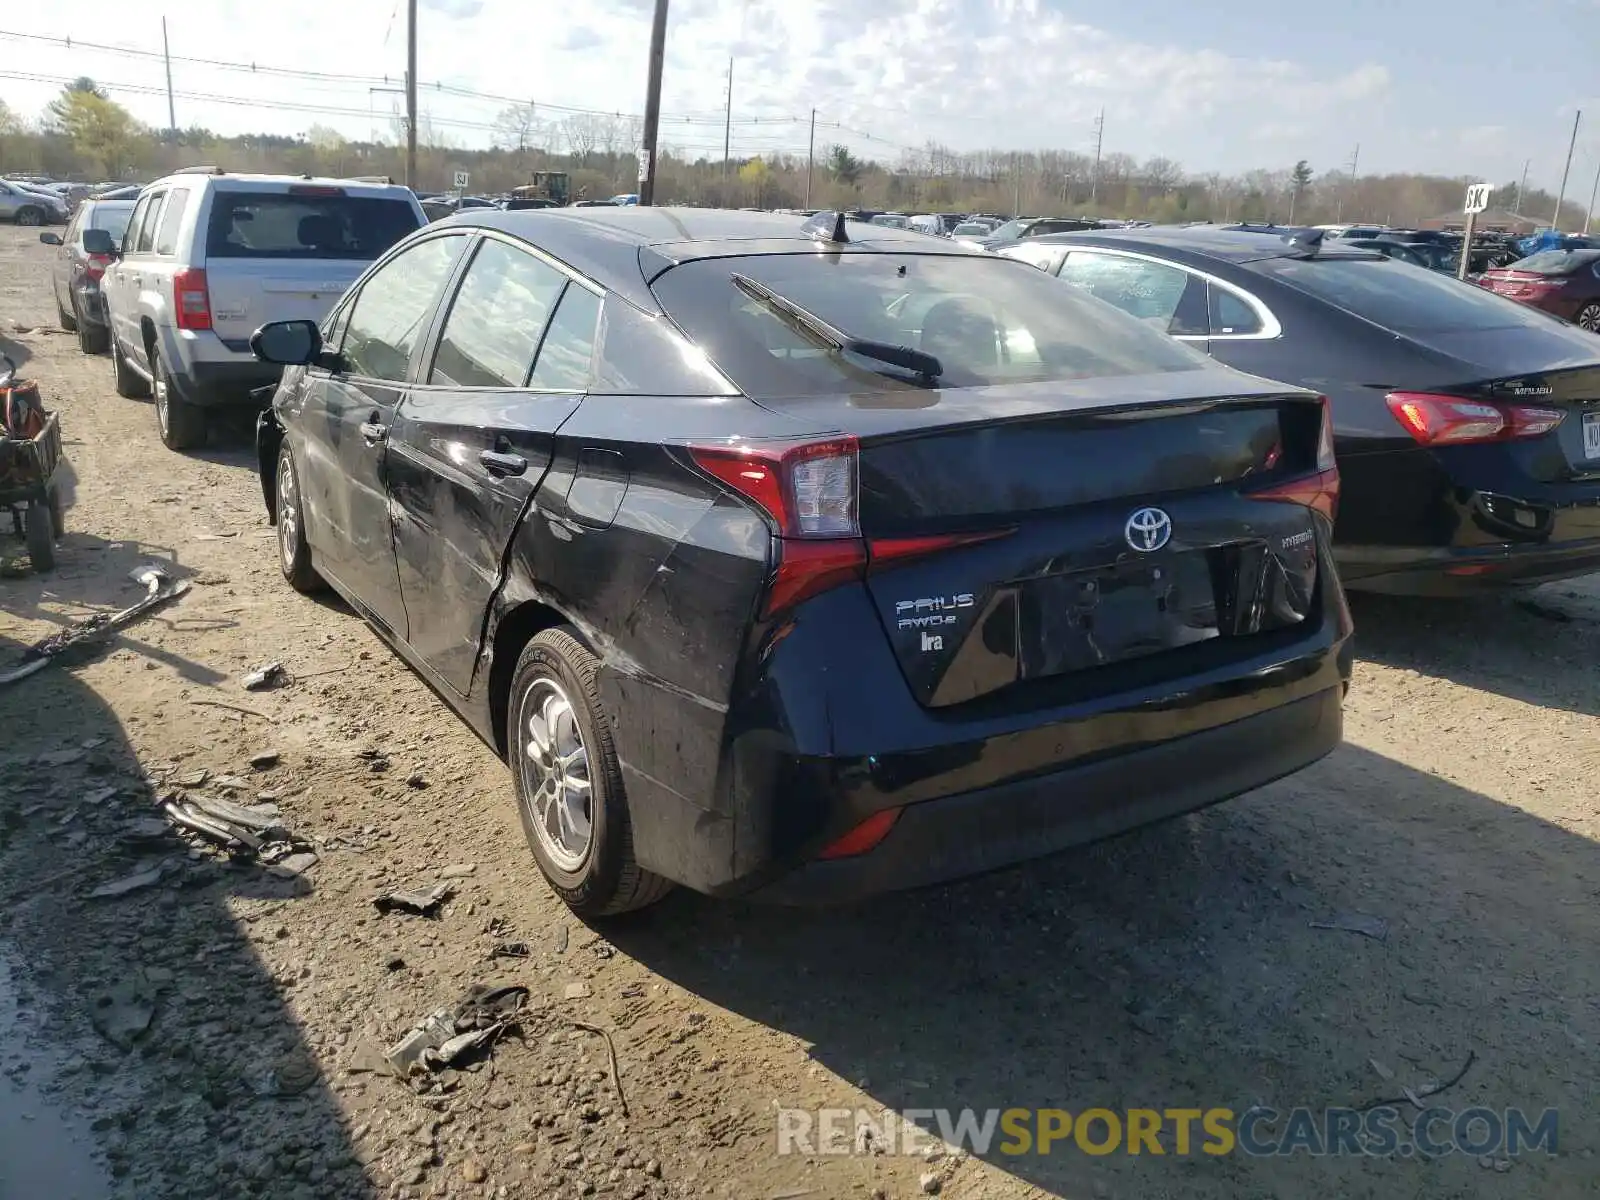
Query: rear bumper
(225, 384)
(983, 830)
(1464, 571)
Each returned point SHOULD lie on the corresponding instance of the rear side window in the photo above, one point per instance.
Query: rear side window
(987, 319)
(1169, 299)
(496, 318)
(171, 218)
(1231, 316)
(147, 227)
(642, 355)
(566, 355)
(298, 225)
(1399, 296)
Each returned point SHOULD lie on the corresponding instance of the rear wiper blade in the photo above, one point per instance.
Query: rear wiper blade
(918, 362)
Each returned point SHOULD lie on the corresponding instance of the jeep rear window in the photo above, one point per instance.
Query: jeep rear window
(987, 320)
(278, 225)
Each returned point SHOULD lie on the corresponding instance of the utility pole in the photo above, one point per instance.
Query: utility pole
(411, 93)
(1561, 196)
(652, 105)
(1338, 208)
(1588, 213)
(811, 155)
(1522, 187)
(172, 113)
(1094, 180)
(727, 132)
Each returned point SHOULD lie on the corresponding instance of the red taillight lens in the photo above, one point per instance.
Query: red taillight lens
(190, 299)
(892, 550)
(95, 265)
(1452, 421)
(1319, 491)
(809, 492)
(864, 836)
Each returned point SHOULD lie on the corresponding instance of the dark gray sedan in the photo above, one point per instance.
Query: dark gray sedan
(75, 273)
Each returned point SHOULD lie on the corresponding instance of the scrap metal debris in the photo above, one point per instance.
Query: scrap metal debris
(269, 675)
(1363, 923)
(1414, 1097)
(159, 589)
(510, 950)
(424, 903)
(450, 1036)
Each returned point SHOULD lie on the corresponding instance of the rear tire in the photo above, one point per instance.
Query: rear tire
(553, 716)
(182, 425)
(36, 523)
(1589, 317)
(294, 552)
(129, 383)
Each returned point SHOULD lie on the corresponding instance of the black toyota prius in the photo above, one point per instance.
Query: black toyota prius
(808, 559)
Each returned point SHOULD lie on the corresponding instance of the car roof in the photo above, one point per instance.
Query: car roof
(624, 249)
(1204, 241)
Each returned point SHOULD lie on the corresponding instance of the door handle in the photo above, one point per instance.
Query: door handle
(497, 462)
(372, 432)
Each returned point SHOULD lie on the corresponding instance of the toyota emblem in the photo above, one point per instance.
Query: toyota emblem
(1147, 530)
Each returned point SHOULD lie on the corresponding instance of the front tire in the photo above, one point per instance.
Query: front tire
(67, 320)
(38, 527)
(1589, 317)
(294, 552)
(569, 785)
(129, 383)
(182, 425)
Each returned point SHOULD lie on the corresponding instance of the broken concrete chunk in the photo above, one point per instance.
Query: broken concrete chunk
(458, 871)
(122, 1012)
(263, 759)
(294, 865)
(139, 880)
(424, 902)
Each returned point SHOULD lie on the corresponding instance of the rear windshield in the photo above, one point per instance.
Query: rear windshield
(113, 218)
(279, 225)
(1556, 262)
(986, 319)
(1400, 296)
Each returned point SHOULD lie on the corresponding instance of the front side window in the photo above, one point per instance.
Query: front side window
(113, 218)
(986, 319)
(140, 211)
(1157, 294)
(171, 218)
(391, 313)
(496, 319)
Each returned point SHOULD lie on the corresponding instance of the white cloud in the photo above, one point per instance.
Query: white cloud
(969, 73)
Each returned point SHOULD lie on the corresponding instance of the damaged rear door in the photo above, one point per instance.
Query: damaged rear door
(471, 444)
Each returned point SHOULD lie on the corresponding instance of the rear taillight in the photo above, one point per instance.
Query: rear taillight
(95, 265)
(808, 491)
(190, 299)
(1319, 490)
(1452, 421)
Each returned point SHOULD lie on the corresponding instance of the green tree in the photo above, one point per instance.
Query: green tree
(10, 123)
(843, 166)
(1299, 181)
(98, 127)
(755, 175)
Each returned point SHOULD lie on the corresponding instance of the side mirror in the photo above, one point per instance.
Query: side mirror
(50, 239)
(287, 343)
(98, 241)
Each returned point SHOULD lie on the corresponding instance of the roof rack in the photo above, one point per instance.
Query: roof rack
(204, 170)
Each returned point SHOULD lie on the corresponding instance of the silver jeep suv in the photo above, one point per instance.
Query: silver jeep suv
(210, 256)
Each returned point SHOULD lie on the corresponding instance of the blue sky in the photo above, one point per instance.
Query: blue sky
(1419, 84)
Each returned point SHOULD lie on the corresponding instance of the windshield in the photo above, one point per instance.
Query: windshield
(1556, 262)
(1399, 296)
(287, 225)
(113, 218)
(986, 319)
(890, 221)
(972, 227)
(1011, 229)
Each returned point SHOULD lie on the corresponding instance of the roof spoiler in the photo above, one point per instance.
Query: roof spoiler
(1306, 241)
(826, 226)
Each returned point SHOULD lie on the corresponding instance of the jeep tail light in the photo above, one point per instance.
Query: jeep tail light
(1320, 489)
(94, 266)
(808, 491)
(1453, 421)
(191, 301)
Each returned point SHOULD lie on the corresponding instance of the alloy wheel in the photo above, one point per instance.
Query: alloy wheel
(288, 515)
(29, 217)
(557, 787)
(1589, 318)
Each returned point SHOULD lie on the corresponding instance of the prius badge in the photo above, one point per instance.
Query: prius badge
(1147, 530)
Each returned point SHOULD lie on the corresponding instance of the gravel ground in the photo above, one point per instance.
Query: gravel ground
(1177, 967)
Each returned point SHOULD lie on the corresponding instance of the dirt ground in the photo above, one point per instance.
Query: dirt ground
(1176, 967)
